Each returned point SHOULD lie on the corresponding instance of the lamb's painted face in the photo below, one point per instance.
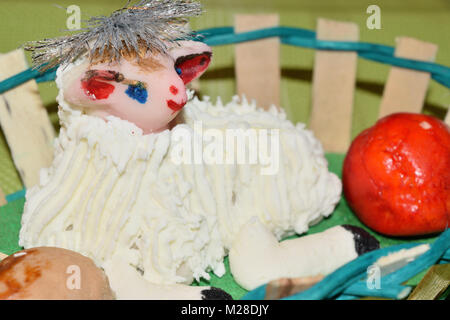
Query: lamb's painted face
(149, 94)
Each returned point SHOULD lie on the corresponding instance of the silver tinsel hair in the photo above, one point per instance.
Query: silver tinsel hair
(154, 23)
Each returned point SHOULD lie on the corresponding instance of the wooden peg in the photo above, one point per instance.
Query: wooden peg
(3, 256)
(25, 122)
(258, 62)
(333, 87)
(405, 89)
(285, 287)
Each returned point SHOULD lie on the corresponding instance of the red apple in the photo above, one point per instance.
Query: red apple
(396, 175)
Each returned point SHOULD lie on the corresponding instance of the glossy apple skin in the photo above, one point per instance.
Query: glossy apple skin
(396, 175)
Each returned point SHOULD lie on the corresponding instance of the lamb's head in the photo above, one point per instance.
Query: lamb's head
(147, 88)
(133, 65)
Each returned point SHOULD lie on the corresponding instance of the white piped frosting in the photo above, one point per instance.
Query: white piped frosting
(113, 191)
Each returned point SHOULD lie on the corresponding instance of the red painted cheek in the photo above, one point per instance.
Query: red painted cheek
(173, 90)
(175, 106)
(96, 90)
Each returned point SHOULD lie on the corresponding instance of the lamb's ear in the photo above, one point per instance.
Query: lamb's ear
(191, 58)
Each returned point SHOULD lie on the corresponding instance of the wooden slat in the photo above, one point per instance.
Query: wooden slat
(257, 64)
(2, 198)
(405, 89)
(285, 287)
(447, 118)
(333, 87)
(2, 256)
(25, 122)
(399, 259)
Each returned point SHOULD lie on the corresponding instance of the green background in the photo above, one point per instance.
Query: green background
(429, 20)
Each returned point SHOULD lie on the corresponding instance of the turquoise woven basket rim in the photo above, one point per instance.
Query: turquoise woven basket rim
(288, 35)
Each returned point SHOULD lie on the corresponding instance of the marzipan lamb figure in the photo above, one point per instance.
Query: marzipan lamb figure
(127, 188)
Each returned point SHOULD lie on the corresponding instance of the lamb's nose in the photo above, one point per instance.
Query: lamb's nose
(173, 90)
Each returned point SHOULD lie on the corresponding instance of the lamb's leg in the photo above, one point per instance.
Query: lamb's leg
(128, 284)
(256, 257)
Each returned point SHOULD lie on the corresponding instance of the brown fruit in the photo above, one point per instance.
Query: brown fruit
(48, 273)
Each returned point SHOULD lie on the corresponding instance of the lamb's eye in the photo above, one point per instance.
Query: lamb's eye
(178, 70)
(137, 91)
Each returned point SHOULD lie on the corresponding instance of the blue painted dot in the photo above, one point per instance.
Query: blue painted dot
(137, 92)
(178, 70)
